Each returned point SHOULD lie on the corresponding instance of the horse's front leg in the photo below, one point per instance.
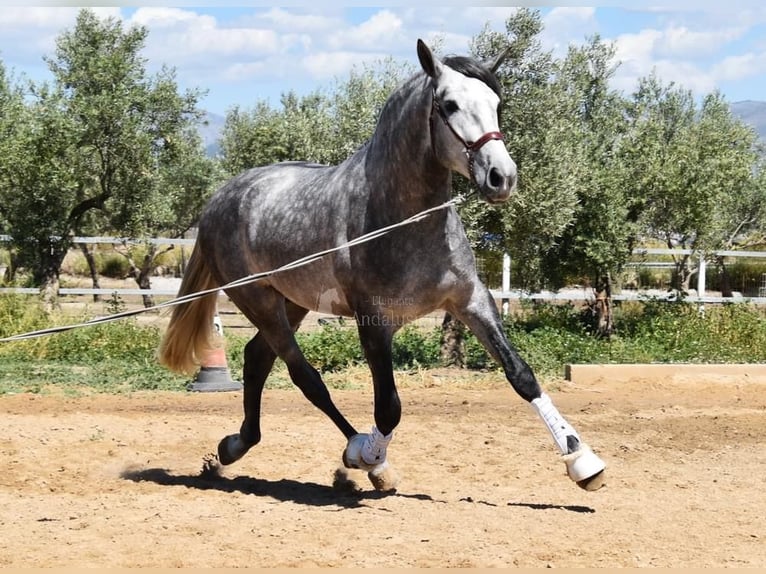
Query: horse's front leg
(481, 316)
(369, 451)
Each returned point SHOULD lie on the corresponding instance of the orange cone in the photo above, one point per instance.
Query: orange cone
(214, 375)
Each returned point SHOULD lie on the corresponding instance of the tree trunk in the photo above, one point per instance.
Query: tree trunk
(92, 268)
(686, 277)
(452, 351)
(10, 271)
(603, 306)
(683, 274)
(49, 290)
(726, 289)
(144, 275)
(47, 276)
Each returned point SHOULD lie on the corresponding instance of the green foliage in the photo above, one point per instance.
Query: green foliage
(319, 127)
(335, 347)
(112, 376)
(599, 172)
(112, 265)
(19, 314)
(414, 348)
(120, 356)
(745, 276)
(679, 332)
(124, 340)
(332, 347)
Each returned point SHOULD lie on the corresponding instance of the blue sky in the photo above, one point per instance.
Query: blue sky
(253, 51)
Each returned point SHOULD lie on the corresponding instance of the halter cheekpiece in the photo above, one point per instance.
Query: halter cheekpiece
(470, 148)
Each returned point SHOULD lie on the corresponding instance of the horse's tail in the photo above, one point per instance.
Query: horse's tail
(190, 333)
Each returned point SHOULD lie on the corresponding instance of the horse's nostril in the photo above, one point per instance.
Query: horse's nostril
(496, 179)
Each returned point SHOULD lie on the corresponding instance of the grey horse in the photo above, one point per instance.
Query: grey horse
(443, 119)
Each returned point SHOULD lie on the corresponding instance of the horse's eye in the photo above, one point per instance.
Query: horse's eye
(450, 106)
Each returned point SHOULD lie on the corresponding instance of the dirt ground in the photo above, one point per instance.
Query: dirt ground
(99, 480)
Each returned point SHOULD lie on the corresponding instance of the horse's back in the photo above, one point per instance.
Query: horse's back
(272, 194)
(268, 216)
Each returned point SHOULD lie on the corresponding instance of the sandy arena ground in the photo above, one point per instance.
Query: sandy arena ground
(116, 480)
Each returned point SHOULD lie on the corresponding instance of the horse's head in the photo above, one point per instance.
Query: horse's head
(464, 122)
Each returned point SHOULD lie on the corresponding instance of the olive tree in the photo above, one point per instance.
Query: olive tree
(694, 169)
(104, 137)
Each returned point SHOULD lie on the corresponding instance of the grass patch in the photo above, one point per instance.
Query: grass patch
(120, 357)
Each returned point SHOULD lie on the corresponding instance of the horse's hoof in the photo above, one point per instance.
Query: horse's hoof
(585, 468)
(594, 482)
(384, 478)
(231, 449)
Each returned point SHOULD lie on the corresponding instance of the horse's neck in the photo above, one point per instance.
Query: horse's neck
(406, 177)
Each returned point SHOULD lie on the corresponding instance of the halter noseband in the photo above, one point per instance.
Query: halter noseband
(470, 148)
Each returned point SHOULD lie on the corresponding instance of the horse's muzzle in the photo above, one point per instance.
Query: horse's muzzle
(499, 184)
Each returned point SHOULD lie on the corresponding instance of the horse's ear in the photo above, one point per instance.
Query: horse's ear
(494, 64)
(430, 65)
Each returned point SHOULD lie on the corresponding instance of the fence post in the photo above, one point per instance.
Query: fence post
(506, 286)
(701, 283)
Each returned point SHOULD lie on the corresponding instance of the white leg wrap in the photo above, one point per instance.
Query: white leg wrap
(374, 448)
(366, 451)
(557, 424)
(582, 464)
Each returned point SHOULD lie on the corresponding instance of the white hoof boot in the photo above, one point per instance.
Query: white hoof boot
(352, 455)
(585, 468)
(366, 451)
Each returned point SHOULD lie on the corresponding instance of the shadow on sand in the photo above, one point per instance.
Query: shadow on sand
(541, 506)
(342, 494)
(284, 490)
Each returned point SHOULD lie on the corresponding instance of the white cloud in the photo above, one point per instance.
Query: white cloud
(635, 51)
(381, 30)
(686, 75)
(238, 71)
(185, 37)
(681, 42)
(565, 26)
(283, 20)
(38, 18)
(161, 19)
(30, 32)
(740, 67)
(261, 48)
(691, 58)
(326, 65)
(451, 28)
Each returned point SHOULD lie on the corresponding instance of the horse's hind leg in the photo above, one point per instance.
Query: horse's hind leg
(276, 319)
(369, 451)
(259, 360)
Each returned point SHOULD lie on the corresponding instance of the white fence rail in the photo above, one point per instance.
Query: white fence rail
(122, 240)
(504, 294)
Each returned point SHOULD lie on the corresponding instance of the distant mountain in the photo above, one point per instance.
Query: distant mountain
(210, 130)
(753, 113)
